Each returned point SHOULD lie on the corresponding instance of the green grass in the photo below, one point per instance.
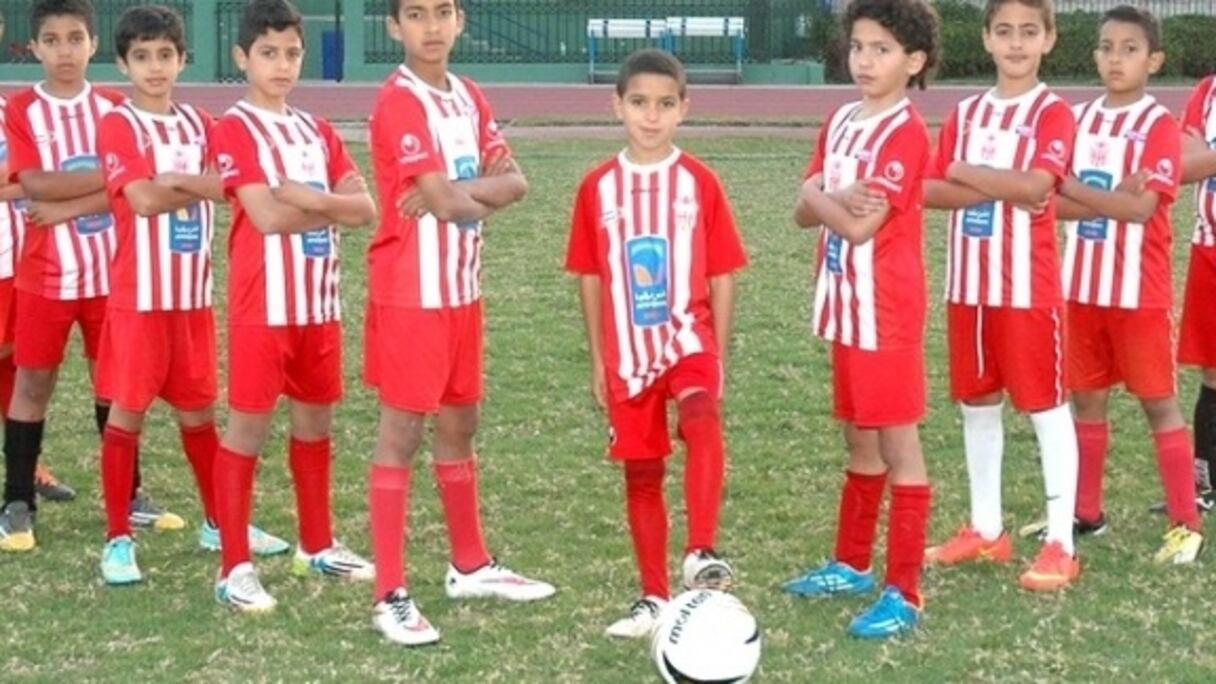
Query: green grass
(553, 507)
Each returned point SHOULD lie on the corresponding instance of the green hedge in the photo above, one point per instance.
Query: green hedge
(1190, 45)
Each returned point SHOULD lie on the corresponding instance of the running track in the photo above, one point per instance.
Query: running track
(354, 101)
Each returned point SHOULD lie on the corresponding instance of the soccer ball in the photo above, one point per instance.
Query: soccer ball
(706, 636)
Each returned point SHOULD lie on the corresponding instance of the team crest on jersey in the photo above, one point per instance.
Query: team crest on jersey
(686, 213)
(308, 165)
(835, 175)
(1025, 131)
(646, 257)
(1098, 153)
(1136, 136)
(864, 155)
(988, 150)
(181, 161)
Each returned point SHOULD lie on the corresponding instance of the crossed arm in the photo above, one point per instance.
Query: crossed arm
(854, 213)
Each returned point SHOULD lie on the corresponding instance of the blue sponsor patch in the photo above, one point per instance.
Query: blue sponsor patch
(978, 220)
(1211, 181)
(316, 243)
(646, 258)
(3, 151)
(833, 253)
(1095, 228)
(467, 169)
(92, 223)
(186, 230)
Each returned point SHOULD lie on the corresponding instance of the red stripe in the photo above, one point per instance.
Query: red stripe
(960, 153)
(284, 240)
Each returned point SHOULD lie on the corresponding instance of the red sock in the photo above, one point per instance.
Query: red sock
(8, 378)
(1093, 440)
(648, 522)
(705, 469)
(117, 464)
(906, 539)
(200, 444)
(857, 522)
(310, 472)
(457, 482)
(233, 477)
(1174, 462)
(389, 499)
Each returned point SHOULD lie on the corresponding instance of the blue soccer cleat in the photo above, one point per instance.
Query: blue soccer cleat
(890, 616)
(832, 579)
(118, 566)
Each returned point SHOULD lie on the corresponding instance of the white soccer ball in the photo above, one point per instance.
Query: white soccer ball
(706, 636)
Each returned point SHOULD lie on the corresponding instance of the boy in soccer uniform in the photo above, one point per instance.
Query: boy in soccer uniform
(442, 168)
(157, 163)
(1118, 273)
(1197, 340)
(865, 187)
(289, 179)
(654, 244)
(1001, 156)
(63, 275)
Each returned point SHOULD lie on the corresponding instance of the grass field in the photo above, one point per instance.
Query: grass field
(553, 507)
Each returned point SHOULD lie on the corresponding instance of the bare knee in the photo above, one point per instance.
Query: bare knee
(455, 429)
(864, 455)
(399, 436)
(1163, 414)
(1090, 407)
(311, 422)
(247, 432)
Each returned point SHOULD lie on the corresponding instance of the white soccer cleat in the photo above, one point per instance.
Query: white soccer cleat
(641, 621)
(242, 590)
(336, 561)
(705, 569)
(495, 581)
(399, 620)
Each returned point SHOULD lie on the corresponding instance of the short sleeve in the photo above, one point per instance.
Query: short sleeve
(1192, 118)
(399, 124)
(947, 140)
(724, 248)
(340, 164)
(492, 142)
(581, 256)
(118, 147)
(817, 157)
(22, 153)
(1054, 137)
(236, 156)
(900, 167)
(1163, 157)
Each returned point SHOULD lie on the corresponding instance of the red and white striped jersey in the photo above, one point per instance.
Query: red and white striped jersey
(1200, 120)
(279, 280)
(654, 235)
(999, 254)
(872, 296)
(163, 262)
(1114, 263)
(417, 130)
(71, 260)
(12, 219)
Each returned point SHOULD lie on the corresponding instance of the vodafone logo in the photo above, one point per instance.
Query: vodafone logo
(1056, 147)
(894, 172)
(112, 161)
(410, 145)
(1165, 168)
(227, 165)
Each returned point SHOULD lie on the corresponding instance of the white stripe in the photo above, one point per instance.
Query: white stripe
(451, 269)
(428, 261)
(1070, 260)
(143, 265)
(1133, 246)
(610, 207)
(686, 186)
(166, 262)
(1022, 276)
(642, 363)
(276, 297)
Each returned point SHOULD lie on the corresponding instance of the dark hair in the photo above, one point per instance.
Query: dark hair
(914, 24)
(1143, 18)
(1047, 8)
(262, 16)
(45, 9)
(149, 22)
(651, 61)
(394, 7)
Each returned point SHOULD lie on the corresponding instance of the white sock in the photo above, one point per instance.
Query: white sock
(984, 443)
(1058, 446)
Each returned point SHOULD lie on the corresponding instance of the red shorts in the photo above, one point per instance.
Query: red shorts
(42, 328)
(166, 354)
(1000, 348)
(1107, 346)
(1197, 341)
(421, 359)
(878, 389)
(639, 425)
(8, 311)
(303, 362)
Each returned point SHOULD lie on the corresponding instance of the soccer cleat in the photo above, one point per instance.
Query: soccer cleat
(399, 620)
(705, 569)
(1181, 547)
(1080, 528)
(1053, 569)
(49, 487)
(497, 581)
(147, 513)
(967, 545)
(892, 615)
(17, 527)
(1205, 501)
(641, 621)
(118, 565)
(336, 561)
(831, 579)
(261, 543)
(242, 590)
